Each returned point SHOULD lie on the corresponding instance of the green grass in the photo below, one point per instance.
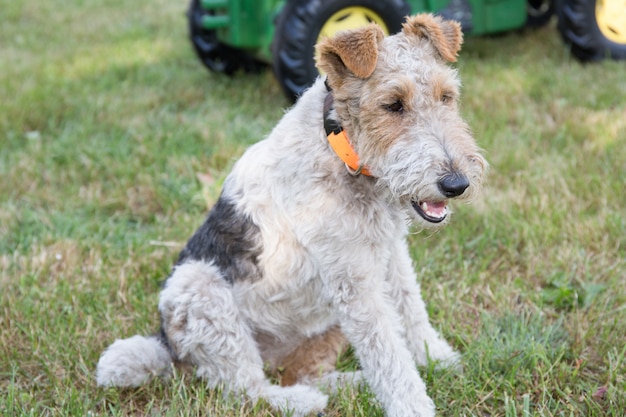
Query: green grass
(115, 140)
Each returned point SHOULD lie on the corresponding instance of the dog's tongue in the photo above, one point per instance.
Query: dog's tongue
(434, 208)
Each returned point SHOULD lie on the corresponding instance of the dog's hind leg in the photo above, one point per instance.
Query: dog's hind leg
(314, 361)
(204, 327)
(315, 357)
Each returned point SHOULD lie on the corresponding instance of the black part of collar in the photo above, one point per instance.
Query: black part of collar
(330, 125)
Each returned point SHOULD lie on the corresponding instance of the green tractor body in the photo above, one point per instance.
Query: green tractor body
(248, 25)
(248, 35)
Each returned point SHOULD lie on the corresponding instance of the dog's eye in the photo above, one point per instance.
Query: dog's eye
(395, 107)
(446, 98)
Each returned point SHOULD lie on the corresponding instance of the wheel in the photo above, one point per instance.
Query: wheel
(302, 22)
(215, 55)
(595, 29)
(539, 12)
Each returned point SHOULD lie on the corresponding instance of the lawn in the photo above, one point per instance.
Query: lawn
(114, 142)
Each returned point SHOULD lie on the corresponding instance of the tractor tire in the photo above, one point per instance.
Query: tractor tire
(302, 22)
(539, 12)
(215, 55)
(594, 29)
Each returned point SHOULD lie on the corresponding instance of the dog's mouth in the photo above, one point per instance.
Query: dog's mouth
(431, 211)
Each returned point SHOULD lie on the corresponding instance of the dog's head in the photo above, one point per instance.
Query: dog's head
(397, 99)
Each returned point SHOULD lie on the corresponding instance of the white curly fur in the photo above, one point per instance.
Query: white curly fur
(333, 252)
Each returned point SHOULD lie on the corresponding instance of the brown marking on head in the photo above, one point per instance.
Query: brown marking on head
(444, 90)
(377, 118)
(445, 35)
(353, 52)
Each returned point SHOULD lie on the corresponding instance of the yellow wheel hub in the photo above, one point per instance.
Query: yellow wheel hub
(349, 18)
(611, 19)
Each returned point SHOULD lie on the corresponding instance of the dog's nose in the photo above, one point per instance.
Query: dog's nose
(453, 185)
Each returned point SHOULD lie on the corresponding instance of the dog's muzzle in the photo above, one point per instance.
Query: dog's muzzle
(451, 186)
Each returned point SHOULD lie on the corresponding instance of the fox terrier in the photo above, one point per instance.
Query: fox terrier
(305, 250)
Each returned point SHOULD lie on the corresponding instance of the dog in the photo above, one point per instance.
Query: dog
(305, 250)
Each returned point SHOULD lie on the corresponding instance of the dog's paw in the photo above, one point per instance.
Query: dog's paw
(335, 381)
(420, 406)
(452, 361)
(439, 351)
(299, 400)
(133, 361)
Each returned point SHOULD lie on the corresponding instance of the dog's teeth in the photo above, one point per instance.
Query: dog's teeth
(438, 211)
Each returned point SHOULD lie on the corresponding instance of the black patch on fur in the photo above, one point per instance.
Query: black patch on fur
(162, 338)
(229, 239)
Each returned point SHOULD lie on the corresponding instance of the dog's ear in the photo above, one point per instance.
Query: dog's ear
(445, 35)
(350, 52)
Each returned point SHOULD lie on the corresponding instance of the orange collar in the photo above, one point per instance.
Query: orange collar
(339, 141)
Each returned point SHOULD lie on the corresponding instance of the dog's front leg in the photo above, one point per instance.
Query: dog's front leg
(423, 340)
(371, 325)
